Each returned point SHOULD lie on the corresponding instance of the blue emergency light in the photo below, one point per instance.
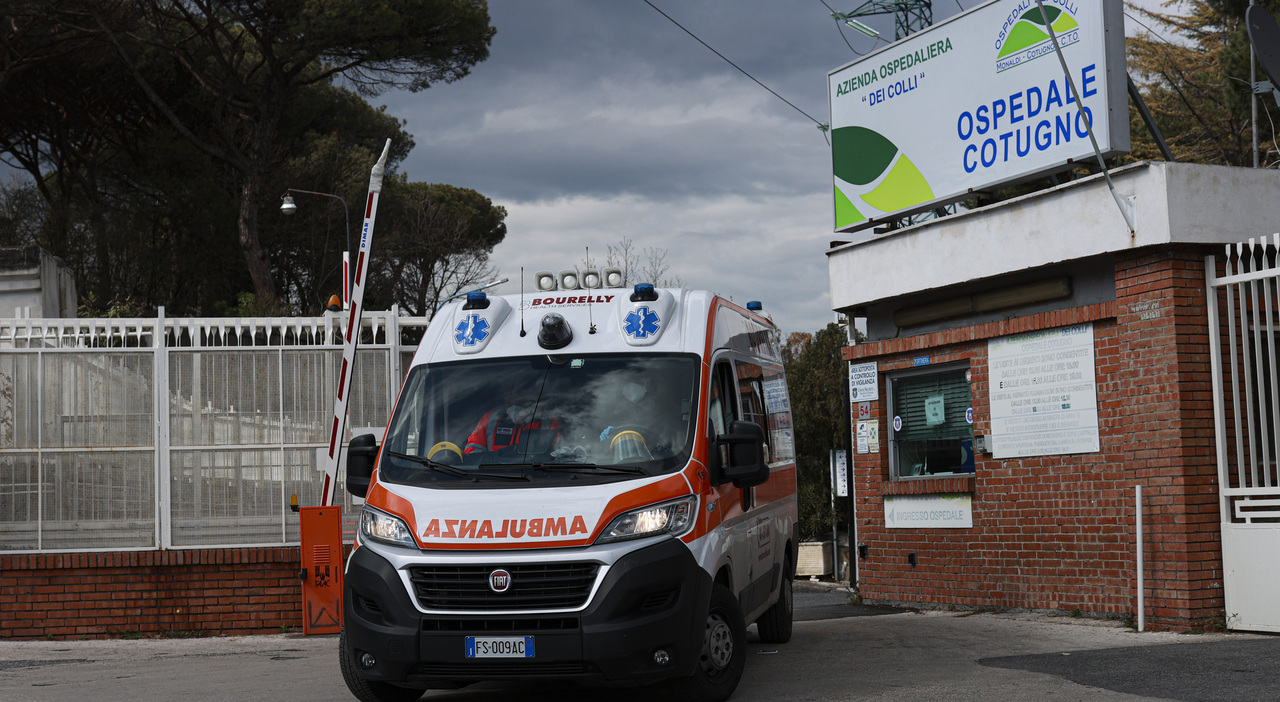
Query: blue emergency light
(644, 292)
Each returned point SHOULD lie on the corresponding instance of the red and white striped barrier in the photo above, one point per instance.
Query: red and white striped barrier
(352, 338)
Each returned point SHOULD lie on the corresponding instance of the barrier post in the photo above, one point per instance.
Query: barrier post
(321, 574)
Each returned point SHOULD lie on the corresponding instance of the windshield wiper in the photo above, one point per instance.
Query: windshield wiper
(591, 467)
(454, 470)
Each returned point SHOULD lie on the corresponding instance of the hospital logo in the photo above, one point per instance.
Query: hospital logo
(873, 176)
(1024, 35)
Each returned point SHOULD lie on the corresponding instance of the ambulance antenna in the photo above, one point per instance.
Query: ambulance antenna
(522, 331)
(590, 320)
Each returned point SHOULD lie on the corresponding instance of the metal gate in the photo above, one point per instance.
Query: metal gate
(1244, 328)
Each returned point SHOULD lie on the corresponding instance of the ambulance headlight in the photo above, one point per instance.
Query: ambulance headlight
(675, 517)
(382, 527)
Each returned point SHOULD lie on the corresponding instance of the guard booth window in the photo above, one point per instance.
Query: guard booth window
(930, 429)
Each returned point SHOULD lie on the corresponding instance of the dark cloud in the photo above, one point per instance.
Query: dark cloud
(594, 121)
(612, 97)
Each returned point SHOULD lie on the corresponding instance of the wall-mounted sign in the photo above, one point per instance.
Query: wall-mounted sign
(1043, 394)
(839, 473)
(864, 385)
(928, 511)
(973, 102)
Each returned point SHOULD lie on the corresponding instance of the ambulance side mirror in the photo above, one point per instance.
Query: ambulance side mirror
(362, 451)
(745, 465)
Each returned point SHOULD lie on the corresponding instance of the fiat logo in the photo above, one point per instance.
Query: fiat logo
(499, 581)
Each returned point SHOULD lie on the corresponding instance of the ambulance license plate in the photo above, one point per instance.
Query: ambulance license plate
(499, 647)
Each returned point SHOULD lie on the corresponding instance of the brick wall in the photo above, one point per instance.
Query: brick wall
(1058, 532)
(214, 592)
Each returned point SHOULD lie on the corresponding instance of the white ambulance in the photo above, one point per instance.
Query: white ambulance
(595, 485)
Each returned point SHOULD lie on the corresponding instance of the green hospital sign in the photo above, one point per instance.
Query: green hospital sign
(974, 102)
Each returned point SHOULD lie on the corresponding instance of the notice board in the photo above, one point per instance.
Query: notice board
(1043, 393)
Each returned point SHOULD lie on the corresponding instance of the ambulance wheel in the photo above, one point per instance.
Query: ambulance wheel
(369, 690)
(774, 626)
(723, 654)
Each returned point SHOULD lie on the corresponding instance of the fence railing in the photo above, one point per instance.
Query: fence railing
(171, 433)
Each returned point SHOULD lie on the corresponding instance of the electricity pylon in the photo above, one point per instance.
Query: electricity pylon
(908, 16)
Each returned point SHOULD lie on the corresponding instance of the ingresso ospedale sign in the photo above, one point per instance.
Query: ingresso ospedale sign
(974, 102)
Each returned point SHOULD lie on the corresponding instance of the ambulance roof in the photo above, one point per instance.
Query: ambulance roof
(605, 320)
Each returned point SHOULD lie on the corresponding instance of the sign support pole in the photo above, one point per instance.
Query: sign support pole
(1124, 202)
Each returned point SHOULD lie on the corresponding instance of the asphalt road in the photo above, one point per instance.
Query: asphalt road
(838, 652)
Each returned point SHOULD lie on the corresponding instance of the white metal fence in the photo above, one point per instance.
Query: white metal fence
(171, 433)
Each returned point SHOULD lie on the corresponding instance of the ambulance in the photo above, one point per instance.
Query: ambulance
(584, 483)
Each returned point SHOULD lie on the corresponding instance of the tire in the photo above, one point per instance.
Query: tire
(723, 654)
(368, 690)
(774, 626)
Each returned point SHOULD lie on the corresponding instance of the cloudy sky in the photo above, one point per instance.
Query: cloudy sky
(594, 121)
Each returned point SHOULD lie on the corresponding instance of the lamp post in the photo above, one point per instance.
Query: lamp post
(288, 207)
(500, 281)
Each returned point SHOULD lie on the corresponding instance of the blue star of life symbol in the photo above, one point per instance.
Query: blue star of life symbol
(641, 323)
(471, 331)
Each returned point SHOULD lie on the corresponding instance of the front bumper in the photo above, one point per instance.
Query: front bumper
(650, 599)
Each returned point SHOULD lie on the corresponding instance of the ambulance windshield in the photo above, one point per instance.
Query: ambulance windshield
(543, 419)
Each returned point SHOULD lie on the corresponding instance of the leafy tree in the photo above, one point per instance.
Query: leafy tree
(1193, 71)
(67, 109)
(816, 377)
(22, 213)
(332, 139)
(141, 206)
(220, 76)
(436, 243)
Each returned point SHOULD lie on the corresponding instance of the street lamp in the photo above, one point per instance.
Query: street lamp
(500, 281)
(288, 207)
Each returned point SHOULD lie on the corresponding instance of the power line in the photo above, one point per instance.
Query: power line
(731, 63)
(841, 29)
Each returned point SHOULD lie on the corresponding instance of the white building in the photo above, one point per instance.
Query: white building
(35, 283)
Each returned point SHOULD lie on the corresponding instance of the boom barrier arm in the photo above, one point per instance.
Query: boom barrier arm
(352, 338)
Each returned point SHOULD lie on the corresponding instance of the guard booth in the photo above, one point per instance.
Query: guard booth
(1037, 365)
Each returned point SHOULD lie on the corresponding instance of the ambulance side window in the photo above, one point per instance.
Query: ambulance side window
(723, 409)
(751, 394)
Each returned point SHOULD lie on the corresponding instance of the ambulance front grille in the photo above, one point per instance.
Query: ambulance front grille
(534, 586)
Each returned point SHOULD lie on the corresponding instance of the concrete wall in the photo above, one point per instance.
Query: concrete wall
(1174, 203)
